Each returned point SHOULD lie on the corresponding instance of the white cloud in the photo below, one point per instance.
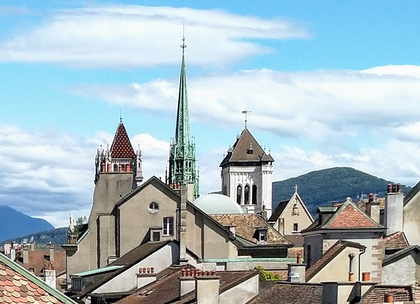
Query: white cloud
(320, 105)
(127, 36)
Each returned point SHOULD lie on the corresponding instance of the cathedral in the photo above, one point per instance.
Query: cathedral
(128, 212)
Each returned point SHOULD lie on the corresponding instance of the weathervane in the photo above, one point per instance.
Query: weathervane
(246, 115)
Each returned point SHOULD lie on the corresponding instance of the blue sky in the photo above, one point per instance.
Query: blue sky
(329, 83)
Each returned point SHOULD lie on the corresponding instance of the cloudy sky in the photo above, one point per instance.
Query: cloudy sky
(328, 83)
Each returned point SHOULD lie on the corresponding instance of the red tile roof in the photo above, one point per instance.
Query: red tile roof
(16, 288)
(349, 216)
(395, 241)
(121, 146)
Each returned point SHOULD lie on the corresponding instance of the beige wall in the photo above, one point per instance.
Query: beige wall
(411, 224)
(109, 188)
(338, 269)
(371, 260)
(127, 280)
(207, 239)
(136, 219)
(303, 219)
(242, 292)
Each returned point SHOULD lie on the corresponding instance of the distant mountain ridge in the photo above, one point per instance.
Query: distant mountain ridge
(16, 224)
(320, 188)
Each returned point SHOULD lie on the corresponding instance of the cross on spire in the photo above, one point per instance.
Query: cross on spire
(183, 45)
(246, 116)
(296, 188)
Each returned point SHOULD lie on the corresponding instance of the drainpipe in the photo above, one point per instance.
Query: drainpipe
(362, 251)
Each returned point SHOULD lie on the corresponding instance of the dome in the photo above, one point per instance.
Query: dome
(217, 204)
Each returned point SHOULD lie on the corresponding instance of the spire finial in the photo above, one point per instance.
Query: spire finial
(246, 116)
(120, 116)
(183, 45)
(296, 187)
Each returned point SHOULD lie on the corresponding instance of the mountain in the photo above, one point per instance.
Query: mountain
(320, 188)
(56, 236)
(16, 224)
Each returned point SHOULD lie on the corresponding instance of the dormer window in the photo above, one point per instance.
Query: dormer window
(250, 149)
(261, 235)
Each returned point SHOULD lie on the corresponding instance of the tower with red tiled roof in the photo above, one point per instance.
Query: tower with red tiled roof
(182, 167)
(120, 157)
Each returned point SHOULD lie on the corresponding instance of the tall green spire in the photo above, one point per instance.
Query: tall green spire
(182, 167)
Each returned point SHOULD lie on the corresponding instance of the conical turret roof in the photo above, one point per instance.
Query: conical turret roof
(121, 146)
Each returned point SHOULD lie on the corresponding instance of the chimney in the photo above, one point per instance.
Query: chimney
(186, 282)
(207, 287)
(12, 253)
(388, 298)
(394, 208)
(329, 293)
(145, 276)
(373, 208)
(49, 276)
(51, 248)
(25, 253)
(6, 248)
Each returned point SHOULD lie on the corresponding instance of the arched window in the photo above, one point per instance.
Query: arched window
(246, 194)
(254, 194)
(239, 194)
(115, 168)
(224, 190)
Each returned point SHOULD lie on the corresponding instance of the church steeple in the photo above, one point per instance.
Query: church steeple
(182, 167)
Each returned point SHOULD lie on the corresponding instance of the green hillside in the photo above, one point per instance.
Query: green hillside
(322, 187)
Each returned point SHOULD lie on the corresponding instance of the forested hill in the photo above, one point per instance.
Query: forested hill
(318, 188)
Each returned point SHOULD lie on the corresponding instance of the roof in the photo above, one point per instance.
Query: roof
(411, 193)
(17, 285)
(290, 293)
(126, 261)
(40, 259)
(376, 294)
(246, 150)
(166, 287)
(399, 254)
(246, 224)
(347, 216)
(278, 211)
(156, 182)
(121, 146)
(328, 256)
(395, 241)
(217, 204)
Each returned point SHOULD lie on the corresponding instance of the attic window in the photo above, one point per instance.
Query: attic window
(261, 235)
(153, 207)
(250, 150)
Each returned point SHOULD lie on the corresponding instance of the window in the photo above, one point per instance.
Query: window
(254, 194)
(239, 194)
(153, 207)
(246, 194)
(351, 263)
(308, 256)
(168, 226)
(263, 236)
(295, 227)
